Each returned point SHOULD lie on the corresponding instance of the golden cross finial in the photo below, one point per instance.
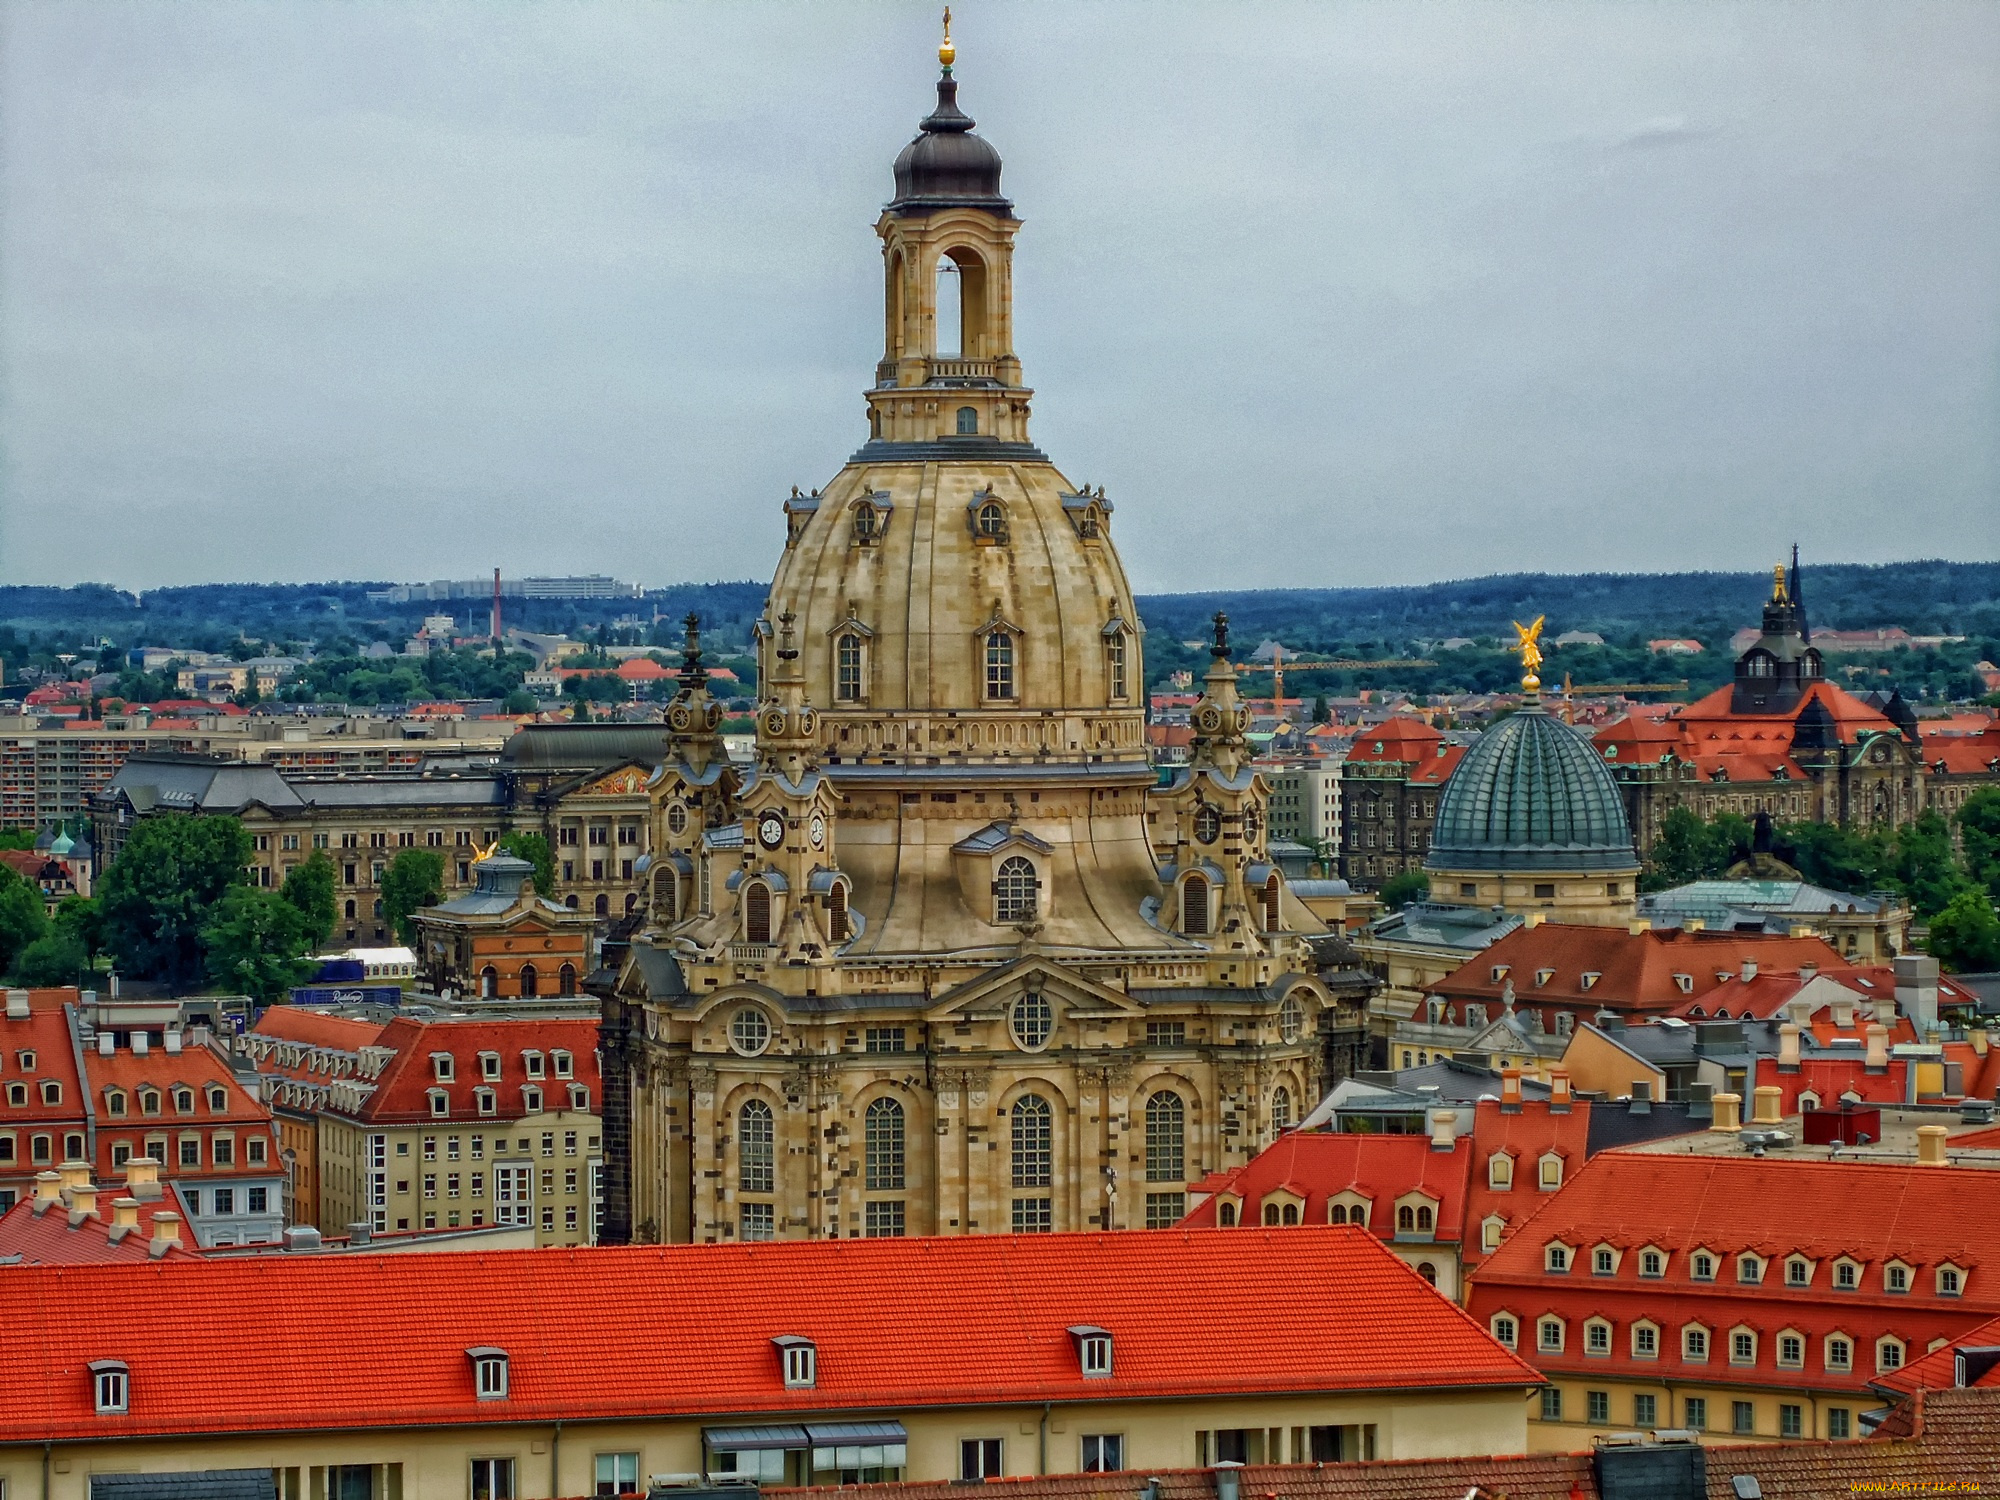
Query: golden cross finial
(946, 52)
(1778, 594)
(1528, 644)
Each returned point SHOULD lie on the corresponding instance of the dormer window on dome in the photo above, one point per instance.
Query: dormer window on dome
(1093, 1351)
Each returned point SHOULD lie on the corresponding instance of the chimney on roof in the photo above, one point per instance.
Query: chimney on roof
(75, 1174)
(107, 1044)
(1510, 1091)
(1638, 925)
(1976, 1035)
(1878, 1049)
(1727, 1118)
(1444, 1129)
(1788, 1047)
(1930, 1146)
(124, 1218)
(172, 1041)
(140, 1041)
(142, 1178)
(48, 1189)
(1885, 1010)
(302, 1237)
(1695, 924)
(1749, 970)
(82, 1204)
(1533, 919)
(17, 1005)
(1917, 990)
(166, 1233)
(1560, 1094)
(1808, 969)
(1769, 1100)
(358, 1233)
(1843, 1010)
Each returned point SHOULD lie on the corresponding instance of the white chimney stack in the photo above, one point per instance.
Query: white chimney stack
(1726, 1107)
(1749, 969)
(107, 1044)
(1917, 990)
(1444, 1129)
(1788, 1046)
(173, 1042)
(17, 1005)
(140, 1041)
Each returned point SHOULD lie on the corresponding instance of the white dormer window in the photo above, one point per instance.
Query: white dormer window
(562, 1063)
(531, 1100)
(1551, 1172)
(442, 1068)
(1093, 1351)
(1895, 1277)
(1603, 1261)
(440, 1104)
(111, 1387)
(799, 1361)
(1684, 983)
(489, 1372)
(485, 1101)
(489, 1065)
(1950, 1281)
(1556, 1258)
(532, 1061)
(1846, 1275)
(1500, 1171)
(579, 1098)
(1590, 979)
(1798, 1271)
(1543, 976)
(1549, 1335)
(1701, 1266)
(1652, 1263)
(1749, 1270)
(1499, 972)
(1505, 1330)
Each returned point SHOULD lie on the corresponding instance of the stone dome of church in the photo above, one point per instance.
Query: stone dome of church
(1531, 795)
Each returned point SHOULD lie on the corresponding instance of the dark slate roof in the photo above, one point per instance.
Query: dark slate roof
(947, 166)
(191, 1484)
(412, 791)
(187, 784)
(584, 747)
(1531, 794)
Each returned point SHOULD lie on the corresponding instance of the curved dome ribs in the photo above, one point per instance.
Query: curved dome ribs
(1531, 794)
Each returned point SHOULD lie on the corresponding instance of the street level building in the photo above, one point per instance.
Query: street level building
(949, 958)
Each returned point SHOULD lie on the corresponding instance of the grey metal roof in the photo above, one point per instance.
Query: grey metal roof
(1436, 925)
(1531, 794)
(1304, 888)
(998, 835)
(201, 785)
(443, 791)
(1728, 903)
(584, 747)
(189, 1484)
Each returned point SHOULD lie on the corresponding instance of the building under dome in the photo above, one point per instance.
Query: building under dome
(948, 959)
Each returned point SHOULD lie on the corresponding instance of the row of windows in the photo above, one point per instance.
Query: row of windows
(1740, 1347)
(999, 649)
(1695, 1414)
(117, 1101)
(478, 1145)
(486, 1101)
(444, 1065)
(1752, 1269)
(51, 1093)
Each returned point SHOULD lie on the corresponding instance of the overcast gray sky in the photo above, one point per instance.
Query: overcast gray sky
(1322, 294)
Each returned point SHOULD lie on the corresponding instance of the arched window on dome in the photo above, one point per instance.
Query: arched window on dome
(867, 522)
(848, 658)
(950, 309)
(757, 912)
(968, 421)
(1015, 890)
(999, 666)
(836, 912)
(1273, 902)
(1194, 906)
(1760, 664)
(990, 521)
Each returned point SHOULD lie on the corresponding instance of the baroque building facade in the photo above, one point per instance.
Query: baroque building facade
(948, 958)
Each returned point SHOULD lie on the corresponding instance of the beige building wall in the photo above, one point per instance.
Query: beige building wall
(1598, 1065)
(436, 1462)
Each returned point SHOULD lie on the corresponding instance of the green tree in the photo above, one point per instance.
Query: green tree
(309, 887)
(17, 838)
(520, 701)
(1922, 866)
(82, 917)
(1965, 936)
(254, 942)
(54, 958)
(1398, 891)
(163, 889)
(23, 918)
(1322, 712)
(1688, 849)
(1841, 859)
(414, 880)
(1979, 832)
(535, 850)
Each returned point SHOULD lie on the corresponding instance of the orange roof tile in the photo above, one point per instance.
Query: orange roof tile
(49, 1239)
(403, 1089)
(1527, 1135)
(990, 1326)
(1317, 1165)
(315, 1028)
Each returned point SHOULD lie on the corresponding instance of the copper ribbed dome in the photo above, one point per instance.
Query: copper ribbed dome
(947, 165)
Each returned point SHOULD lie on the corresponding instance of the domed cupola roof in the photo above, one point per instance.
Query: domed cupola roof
(947, 166)
(1531, 795)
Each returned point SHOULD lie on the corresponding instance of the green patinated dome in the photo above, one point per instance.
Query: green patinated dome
(1531, 795)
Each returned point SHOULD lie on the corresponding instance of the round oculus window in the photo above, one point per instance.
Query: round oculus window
(774, 722)
(816, 831)
(1291, 1020)
(680, 717)
(1033, 1021)
(771, 828)
(1209, 720)
(1207, 824)
(749, 1031)
(677, 818)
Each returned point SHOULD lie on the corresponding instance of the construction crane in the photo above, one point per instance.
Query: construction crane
(1276, 667)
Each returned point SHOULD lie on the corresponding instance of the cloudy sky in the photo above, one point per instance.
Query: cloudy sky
(1322, 294)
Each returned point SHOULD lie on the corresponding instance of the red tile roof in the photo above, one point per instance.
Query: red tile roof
(194, 1067)
(1397, 740)
(1938, 1370)
(44, 1031)
(314, 1028)
(1926, 1217)
(1527, 1135)
(990, 1326)
(1318, 1165)
(49, 1239)
(402, 1092)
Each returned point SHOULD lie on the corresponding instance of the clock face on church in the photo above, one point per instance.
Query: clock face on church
(816, 831)
(771, 828)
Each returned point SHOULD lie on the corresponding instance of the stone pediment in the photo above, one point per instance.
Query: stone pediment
(628, 780)
(1055, 980)
(1000, 835)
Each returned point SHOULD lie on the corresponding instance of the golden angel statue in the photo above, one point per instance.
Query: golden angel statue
(1528, 644)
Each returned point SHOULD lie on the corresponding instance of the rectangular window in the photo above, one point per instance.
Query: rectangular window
(1838, 1420)
(1791, 1421)
(758, 1221)
(1645, 1411)
(1552, 1404)
(1033, 1215)
(493, 1479)
(884, 1219)
(1599, 1403)
(451, 1185)
(1697, 1413)
(1742, 1417)
(1166, 1033)
(1103, 1452)
(979, 1458)
(223, 1148)
(1164, 1210)
(191, 1151)
(225, 1200)
(257, 1200)
(617, 1473)
(885, 1039)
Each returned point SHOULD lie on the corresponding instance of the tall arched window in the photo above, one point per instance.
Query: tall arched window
(756, 1147)
(529, 981)
(1033, 1142)
(836, 912)
(991, 520)
(489, 981)
(847, 668)
(1281, 1108)
(566, 980)
(1166, 1138)
(1194, 906)
(950, 309)
(602, 906)
(1114, 661)
(865, 520)
(883, 1139)
(1014, 889)
(757, 912)
(1226, 1216)
(968, 421)
(999, 665)
(1273, 903)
